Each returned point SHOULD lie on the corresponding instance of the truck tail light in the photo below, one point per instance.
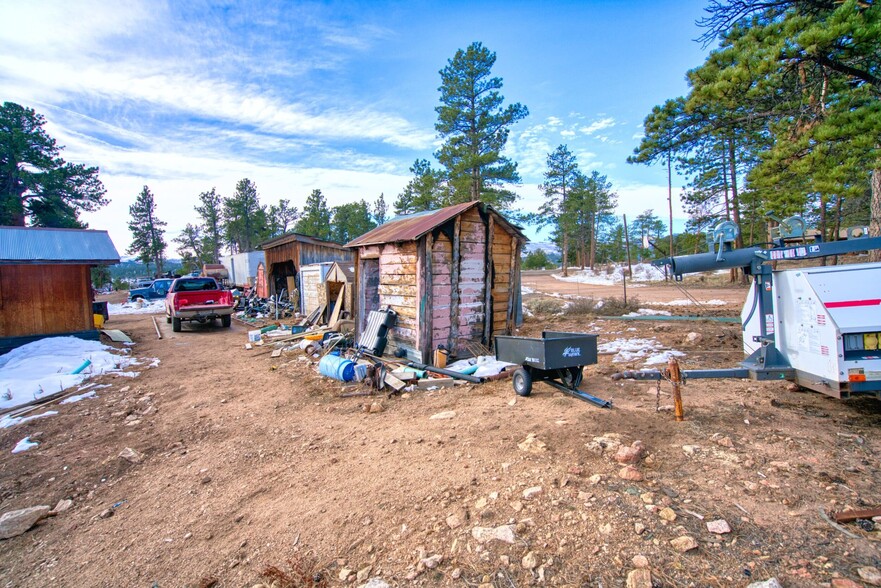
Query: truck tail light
(178, 302)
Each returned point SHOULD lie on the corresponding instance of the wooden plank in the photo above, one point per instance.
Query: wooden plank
(454, 281)
(407, 269)
(426, 300)
(394, 383)
(488, 273)
(435, 383)
(404, 248)
(335, 315)
(514, 281)
(398, 290)
(393, 279)
(442, 300)
(402, 334)
(405, 311)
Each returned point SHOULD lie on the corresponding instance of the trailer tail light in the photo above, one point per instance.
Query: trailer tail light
(856, 375)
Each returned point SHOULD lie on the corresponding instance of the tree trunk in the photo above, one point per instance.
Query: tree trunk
(670, 200)
(823, 225)
(875, 217)
(565, 255)
(735, 203)
(838, 206)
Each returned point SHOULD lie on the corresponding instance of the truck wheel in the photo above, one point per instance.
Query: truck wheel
(522, 382)
(175, 325)
(226, 321)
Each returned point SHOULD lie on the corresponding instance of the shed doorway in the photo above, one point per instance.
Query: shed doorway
(370, 292)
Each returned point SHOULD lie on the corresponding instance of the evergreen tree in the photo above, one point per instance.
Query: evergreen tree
(316, 217)
(37, 186)
(244, 218)
(190, 247)
(351, 221)
(282, 217)
(646, 224)
(210, 210)
(148, 241)
(380, 210)
(556, 211)
(427, 190)
(475, 128)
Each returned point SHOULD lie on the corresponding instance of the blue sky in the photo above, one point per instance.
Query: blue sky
(339, 96)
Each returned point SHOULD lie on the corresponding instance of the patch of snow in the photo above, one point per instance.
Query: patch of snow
(24, 445)
(11, 421)
(78, 397)
(650, 350)
(649, 312)
(683, 302)
(44, 367)
(138, 307)
(487, 365)
(526, 290)
(642, 272)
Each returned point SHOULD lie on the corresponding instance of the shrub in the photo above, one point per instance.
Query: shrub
(615, 306)
(544, 306)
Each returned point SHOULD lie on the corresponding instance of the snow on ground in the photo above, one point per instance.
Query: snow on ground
(9, 421)
(44, 367)
(526, 290)
(649, 350)
(138, 307)
(78, 397)
(642, 272)
(713, 302)
(24, 445)
(649, 312)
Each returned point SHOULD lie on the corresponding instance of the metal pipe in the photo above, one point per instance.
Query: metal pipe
(445, 372)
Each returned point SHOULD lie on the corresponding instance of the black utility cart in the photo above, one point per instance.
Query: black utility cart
(557, 358)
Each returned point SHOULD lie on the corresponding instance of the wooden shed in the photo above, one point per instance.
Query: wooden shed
(285, 255)
(46, 282)
(321, 284)
(452, 275)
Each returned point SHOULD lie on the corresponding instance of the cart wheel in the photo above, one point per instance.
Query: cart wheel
(522, 382)
(572, 376)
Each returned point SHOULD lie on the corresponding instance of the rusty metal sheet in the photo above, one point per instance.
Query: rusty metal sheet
(410, 227)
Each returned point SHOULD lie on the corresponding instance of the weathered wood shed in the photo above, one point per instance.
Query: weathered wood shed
(285, 255)
(452, 275)
(46, 282)
(321, 283)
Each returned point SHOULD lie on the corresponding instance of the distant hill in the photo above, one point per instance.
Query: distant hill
(135, 269)
(552, 251)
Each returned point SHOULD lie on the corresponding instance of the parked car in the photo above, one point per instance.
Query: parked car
(197, 299)
(156, 290)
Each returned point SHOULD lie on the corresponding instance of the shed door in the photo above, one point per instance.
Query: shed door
(369, 295)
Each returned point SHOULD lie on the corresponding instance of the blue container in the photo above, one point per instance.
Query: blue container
(337, 368)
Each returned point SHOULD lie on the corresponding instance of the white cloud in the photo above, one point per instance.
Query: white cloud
(567, 133)
(598, 125)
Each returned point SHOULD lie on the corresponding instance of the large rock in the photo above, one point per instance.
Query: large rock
(639, 578)
(630, 473)
(630, 455)
(870, 575)
(684, 543)
(16, 522)
(505, 533)
(131, 455)
(719, 527)
(529, 561)
(772, 583)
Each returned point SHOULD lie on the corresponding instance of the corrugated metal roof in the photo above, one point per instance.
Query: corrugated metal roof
(413, 226)
(29, 245)
(289, 237)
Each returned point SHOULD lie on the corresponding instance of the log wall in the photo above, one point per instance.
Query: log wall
(45, 299)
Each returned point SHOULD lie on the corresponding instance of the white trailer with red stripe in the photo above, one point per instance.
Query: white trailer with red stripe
(826, 322)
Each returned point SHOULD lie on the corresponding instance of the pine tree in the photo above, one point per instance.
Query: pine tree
(282, 217)
(210, 211)
(316, 217)
(37, 186)
(244, 218)
(380, 210)
(428, 190)
(351, 221)
(475, 128)
(148, 241)
(190, 247)
(560, 175)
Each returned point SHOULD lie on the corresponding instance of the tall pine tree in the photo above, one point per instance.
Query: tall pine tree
(148, 236)
(244, 218)
(475, 127)
(562, 169)
(210, 210)
(316, 217)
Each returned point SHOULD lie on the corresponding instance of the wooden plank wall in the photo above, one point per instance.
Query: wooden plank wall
(441, 292)
(502, 259)
(45, 299)
(472, 278)
(310, 278)
(398, 290)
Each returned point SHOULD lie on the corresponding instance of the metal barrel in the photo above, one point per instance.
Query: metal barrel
(336, 367)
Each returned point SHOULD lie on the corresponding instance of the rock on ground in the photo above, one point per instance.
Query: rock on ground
(16, 522)
(504, 533)
(639, 578)
(719, 527)
(684, 543)
(870, 575)
(772, 583)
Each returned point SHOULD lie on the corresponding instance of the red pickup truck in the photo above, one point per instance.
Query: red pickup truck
(197, 299)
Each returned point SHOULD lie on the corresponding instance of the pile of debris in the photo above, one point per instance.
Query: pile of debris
(361, 363)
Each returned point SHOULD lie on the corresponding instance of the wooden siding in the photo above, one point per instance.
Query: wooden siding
(45, 299)
(398, 290)
(502, 262)
(313, 288)
(441, 296)
(472, 280)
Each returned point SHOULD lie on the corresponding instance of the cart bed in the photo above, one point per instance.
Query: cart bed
(554, 350)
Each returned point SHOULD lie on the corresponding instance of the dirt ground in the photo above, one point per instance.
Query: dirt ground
(256, 471)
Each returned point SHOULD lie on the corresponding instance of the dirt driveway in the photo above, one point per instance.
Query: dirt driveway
(256, 470)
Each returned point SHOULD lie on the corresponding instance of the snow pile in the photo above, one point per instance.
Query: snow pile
(683, 302)
(526, 290)
(138, 307)
(9, 421)
(642, 272)
(649, 350)
(649, 312)
(44, 367)
(24, 445)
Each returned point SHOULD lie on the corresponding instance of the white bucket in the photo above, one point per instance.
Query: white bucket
(254, 336)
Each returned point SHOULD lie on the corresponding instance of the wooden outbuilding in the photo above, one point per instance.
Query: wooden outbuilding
(451, 275)
(285, 255)
(322, 283)
(46, 282)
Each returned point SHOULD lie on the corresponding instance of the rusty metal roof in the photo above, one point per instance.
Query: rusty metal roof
(411, 227)
(31, 245)
(290, 237)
